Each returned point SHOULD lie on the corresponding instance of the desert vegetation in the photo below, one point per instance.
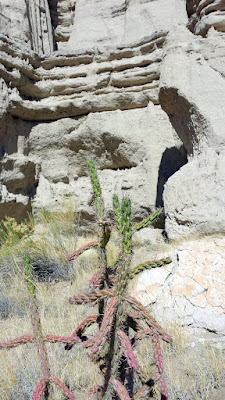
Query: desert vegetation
(114, 350)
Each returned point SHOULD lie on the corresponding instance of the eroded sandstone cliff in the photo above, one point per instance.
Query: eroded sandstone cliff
(137, 85)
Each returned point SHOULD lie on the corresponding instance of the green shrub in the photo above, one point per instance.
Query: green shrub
(11, 232)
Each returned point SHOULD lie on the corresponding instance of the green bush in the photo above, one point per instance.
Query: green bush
(11, 232)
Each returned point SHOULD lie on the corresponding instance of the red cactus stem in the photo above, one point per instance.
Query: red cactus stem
(98, 345)
(91, 297)
(143, 333)
(80, 329)
(163, 335)
(81, 250)
(89, 342)
(96, 280)
(150, 382)
(157, 353)
(163, 388)
(143, 314)
(128, 351)
(62, 339)
(63, 388)
(101, 337)
(40, 388)
(17, 341)
(120, 390)
(38, 337)
(84, 325)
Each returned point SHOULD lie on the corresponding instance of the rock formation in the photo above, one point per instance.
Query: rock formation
(190, 290)
(137, 85)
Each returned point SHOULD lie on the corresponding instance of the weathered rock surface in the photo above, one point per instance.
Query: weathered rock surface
(192, 86)
(103, 103)
(190, 290)
(96, 79)
(204, 14)
(78, 82)
(113, 22)
(193, 197)
(14, 22)
(126, 151)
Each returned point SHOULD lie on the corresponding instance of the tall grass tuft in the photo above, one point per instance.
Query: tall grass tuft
(42, 390)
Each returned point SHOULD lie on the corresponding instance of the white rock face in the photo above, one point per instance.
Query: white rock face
(13, 20)
(124, 146)
(205, 14)
(115, 22)
(96, 78)
(62, 16)
(190, 290)
(192, 103)
(138, 86)
(194, 197)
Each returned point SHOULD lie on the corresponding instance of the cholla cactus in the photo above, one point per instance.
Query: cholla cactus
(112, 347)
(43, 387)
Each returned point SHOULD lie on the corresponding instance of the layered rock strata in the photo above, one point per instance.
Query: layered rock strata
(122, 81)
(193, 197)
(103, 101)
(76, 83)
(205, 14)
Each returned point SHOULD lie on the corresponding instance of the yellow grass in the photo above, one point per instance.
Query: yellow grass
(191, 373)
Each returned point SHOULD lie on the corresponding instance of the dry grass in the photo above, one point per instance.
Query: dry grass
(191, 372)
(22, 373)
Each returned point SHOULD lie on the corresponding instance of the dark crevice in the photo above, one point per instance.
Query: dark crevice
(120, 168)
(172, 160)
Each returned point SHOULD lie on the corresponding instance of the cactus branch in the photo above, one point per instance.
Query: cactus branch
(149, 265)
(63, 388)
(17, 341)
(40, 389)
(81, 250)
(147, 221)
(143, 314)
(120, 390)
(80, 329)
(127, 348)
(91, 297)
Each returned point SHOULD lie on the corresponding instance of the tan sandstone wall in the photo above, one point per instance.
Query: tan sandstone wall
(135, 84)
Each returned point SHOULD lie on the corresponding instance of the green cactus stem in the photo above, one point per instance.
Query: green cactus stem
(117, 212)
(147, 221)
(149, 265)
